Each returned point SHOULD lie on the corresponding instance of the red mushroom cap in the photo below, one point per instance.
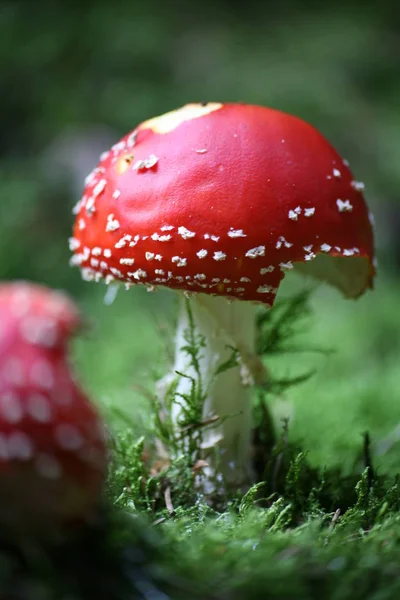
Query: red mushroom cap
(223, 199)
(52, 448)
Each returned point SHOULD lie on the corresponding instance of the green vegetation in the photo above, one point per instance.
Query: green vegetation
(74, 78)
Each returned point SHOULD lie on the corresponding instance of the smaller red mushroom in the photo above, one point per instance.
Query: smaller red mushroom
(52, 444)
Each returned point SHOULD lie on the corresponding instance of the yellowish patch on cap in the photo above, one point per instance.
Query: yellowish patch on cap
(170, 120)
(123, 163)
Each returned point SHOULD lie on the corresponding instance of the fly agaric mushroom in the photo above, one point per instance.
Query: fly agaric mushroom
(223, 200)
(52, 450)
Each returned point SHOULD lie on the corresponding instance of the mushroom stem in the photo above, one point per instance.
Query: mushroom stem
(223, 324)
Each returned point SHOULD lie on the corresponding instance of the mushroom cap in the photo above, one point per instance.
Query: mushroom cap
(223, 199)
(52, 443)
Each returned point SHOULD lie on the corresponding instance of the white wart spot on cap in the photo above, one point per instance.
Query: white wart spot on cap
(344, 205)
(38, 407)
(68, 437)
(286, 266)
(20, 446)
(179, 261)
(185, 233)
(308, 212)
(146, 163)
(48, 466)
(359, 186)
(11, 408)
(42, 374)
(14, 372)
(219, 255)
(266, 270)
(202, 253)
(325, 247)
(236, 233)
(254, 252)
(265, 289)
(112, 224)
(39, 331)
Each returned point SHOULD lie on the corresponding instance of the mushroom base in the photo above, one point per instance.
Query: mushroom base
(223, 324)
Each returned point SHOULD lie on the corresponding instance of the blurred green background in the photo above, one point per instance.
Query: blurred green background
(76, 76)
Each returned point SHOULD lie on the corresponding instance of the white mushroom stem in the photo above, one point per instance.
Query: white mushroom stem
(222, 323)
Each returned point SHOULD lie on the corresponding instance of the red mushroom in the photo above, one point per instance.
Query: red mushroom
(223, 200)
(52, 449)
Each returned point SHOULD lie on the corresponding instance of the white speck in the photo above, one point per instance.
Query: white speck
(149, 255)
(116, 272)
(200, 276)
(336, 173)
(201, 151)
(325, 247)
(240, 290)
(47, 466)
(159, 272)
(179, 279)
(19, 446)
(265, 289)
(344, 205)
(282, 242)
(107, 253)
(68, 437)
(215, 280)
(81, 224)
(73, 244)
(286, 265)
(88, 274)
(123, 241)
(158, 257)
(219, 255)
(309, 256)
(94, 263)
(38, 407)
(254, 252)
(96, 251)
(359, 186)
(185, 233)
(266, 270)
(131, 140)
(202, 253)
(167, 228)
(99, 188)
(116, 194)
(245, 279)
(308, 248)
(76, 209)
(118, 147)
(112, 224)
(11, 408)
(214, 238)
(127, 261)
(236, 233)
(104, 156)
(90, 206)
(294, 214)
(135, 241)
(13, 371)
(139, 274)
(109, 279)
(41, 331)
(146, 163)
(308, 212)
(161, 238)
(180, 262)
(42, 374)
